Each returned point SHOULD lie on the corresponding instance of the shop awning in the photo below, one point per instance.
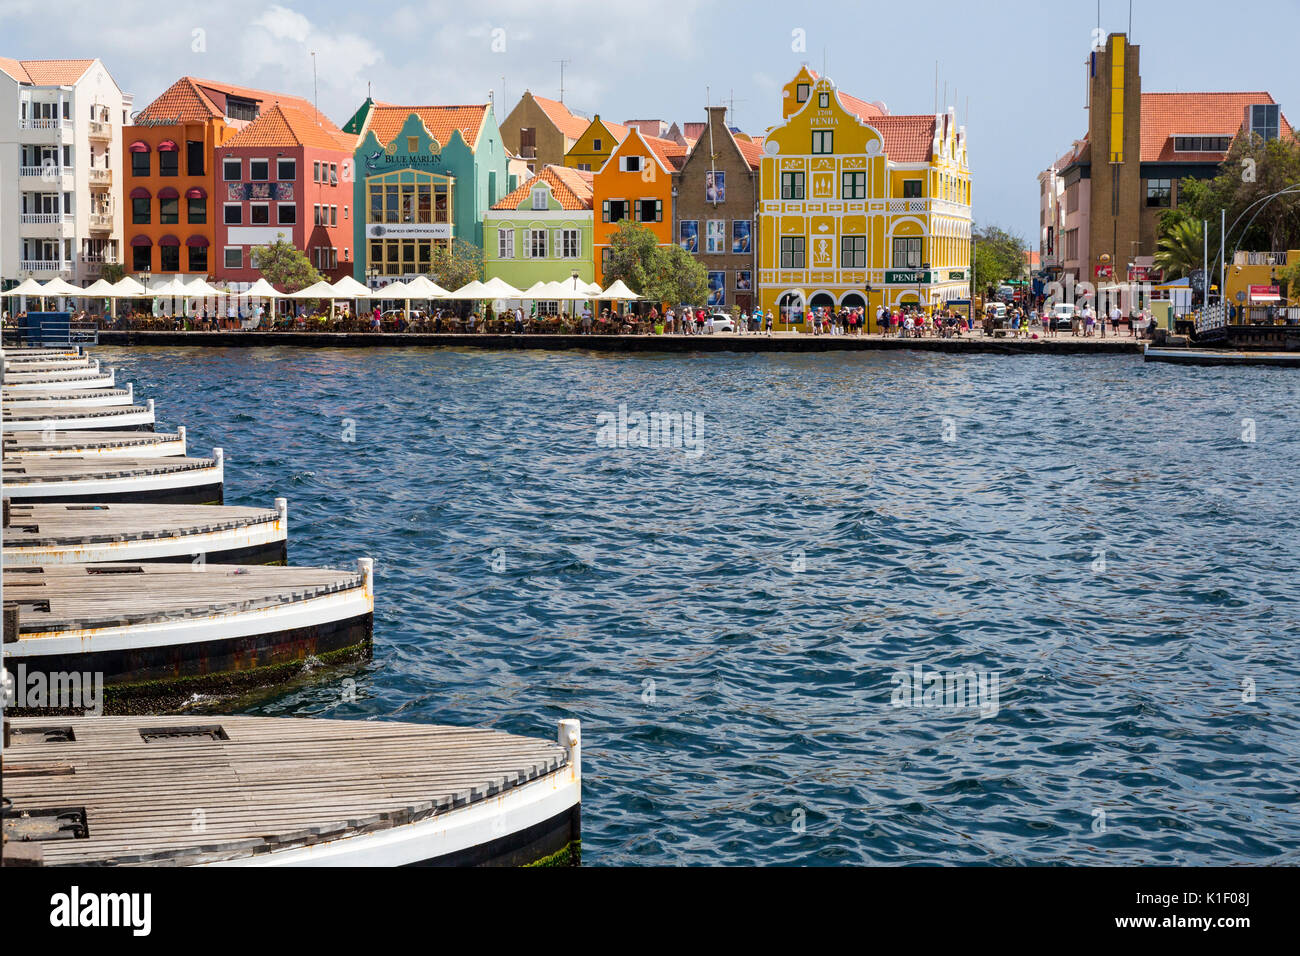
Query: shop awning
(167, 192)
(198, 242)
(1269, 297)
(169, 240)
(141, 241)
(198, 192)
(140, 193)
(139, 146)
(167, 146)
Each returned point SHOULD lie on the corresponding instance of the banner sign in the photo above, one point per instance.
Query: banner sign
(240, 192)
(408, 230)
(904, 277)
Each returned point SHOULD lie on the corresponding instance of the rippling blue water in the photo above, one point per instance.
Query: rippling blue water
(1095, 531)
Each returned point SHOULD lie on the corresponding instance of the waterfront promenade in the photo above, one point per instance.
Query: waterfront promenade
(721, 342)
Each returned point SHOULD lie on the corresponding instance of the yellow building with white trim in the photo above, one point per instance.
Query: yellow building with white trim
(860, 208)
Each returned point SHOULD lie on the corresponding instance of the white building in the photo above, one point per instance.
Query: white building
(60, 169)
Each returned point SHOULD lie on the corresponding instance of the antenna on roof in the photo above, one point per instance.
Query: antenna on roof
(315, 89)
(561, 62)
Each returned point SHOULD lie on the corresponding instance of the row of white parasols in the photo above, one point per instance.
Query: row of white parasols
(347, 288)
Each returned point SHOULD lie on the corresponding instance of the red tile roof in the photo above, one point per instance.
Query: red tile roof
(45, 72)
(1166, 115)
(908, 139)
(284, 126)
(753, 152)
(672, 154)
(572, 187)
(568, 123)
(441, 121)
(192, 100)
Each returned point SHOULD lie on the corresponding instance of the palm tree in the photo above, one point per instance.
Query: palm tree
(1180, 249)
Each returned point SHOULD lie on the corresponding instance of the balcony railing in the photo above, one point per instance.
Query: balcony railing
(1260, 259)
(30, 123)
(100, 130)
(46, 218)
(44, 265)
(100, 177)
(101, 220)
(49, 170)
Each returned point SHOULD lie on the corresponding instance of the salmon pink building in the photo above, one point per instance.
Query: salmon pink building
(283, 176)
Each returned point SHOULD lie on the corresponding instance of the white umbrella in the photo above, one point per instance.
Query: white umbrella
(57, 286)
(593, 288)
(534, 291)
(471, 290)
(26, 287)
(422, 287)
(394, 290)
(575, 289)
(128, 288)
(350, 288)
(261, 289)
(173, 287)
(497, 288)
(101, 289)
(619, 291)
(317, 290)
(199, 289)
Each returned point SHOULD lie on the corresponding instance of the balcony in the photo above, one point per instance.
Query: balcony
(44, 266)
(101, 222)
(30, 123)
(49, 171)
(47, 219)
(100, 178)
(100, 131)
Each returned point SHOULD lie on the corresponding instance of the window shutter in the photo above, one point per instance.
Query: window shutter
(659, 210)
(525, 235)
(604, 210)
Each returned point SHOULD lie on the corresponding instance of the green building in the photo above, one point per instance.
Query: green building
(541, 232)
(425, 175)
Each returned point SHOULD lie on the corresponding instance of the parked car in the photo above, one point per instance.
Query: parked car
(1063, 314)
(722, 322)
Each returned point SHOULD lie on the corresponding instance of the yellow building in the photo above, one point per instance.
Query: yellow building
(860, 208)
(595, 145)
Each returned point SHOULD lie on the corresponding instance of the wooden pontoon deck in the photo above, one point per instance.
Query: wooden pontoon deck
(161, 632)
(102, 444)
(36, 418)
(74, 398)
(51, 364)
(267, 791)
(41, 478)
(71, 380)
(44, 534)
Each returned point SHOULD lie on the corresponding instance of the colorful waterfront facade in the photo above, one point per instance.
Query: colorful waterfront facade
(595, 144)
(425, 175)
(284, 176)
(635, 183)
(540, 130)
(171, 181)
(860, 208)
(542, 232)
(716, 194)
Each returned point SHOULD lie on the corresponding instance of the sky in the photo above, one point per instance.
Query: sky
(1013, 69)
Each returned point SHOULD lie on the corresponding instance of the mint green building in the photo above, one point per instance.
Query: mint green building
(425, 175)
(542, 231)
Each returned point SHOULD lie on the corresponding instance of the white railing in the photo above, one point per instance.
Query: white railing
(45, 124)
(46, 218)
(99, 257)
(1260, 259)
(100, 177)
(100, 130)
(908, 205)
(49, 170)
(44, 265)
(101, 220)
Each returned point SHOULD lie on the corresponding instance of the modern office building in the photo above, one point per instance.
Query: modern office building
(60, 170)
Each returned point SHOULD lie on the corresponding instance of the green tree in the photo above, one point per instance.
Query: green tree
(1181, 249)
(456, 266)
(662, 274)
(285, 265)
(1251, 171)
(113, 272)
(999, 256)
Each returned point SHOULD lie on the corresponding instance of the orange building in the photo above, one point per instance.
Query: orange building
(171, 177)
(636, 183)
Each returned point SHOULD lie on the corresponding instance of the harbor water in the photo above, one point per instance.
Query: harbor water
(750, 620)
